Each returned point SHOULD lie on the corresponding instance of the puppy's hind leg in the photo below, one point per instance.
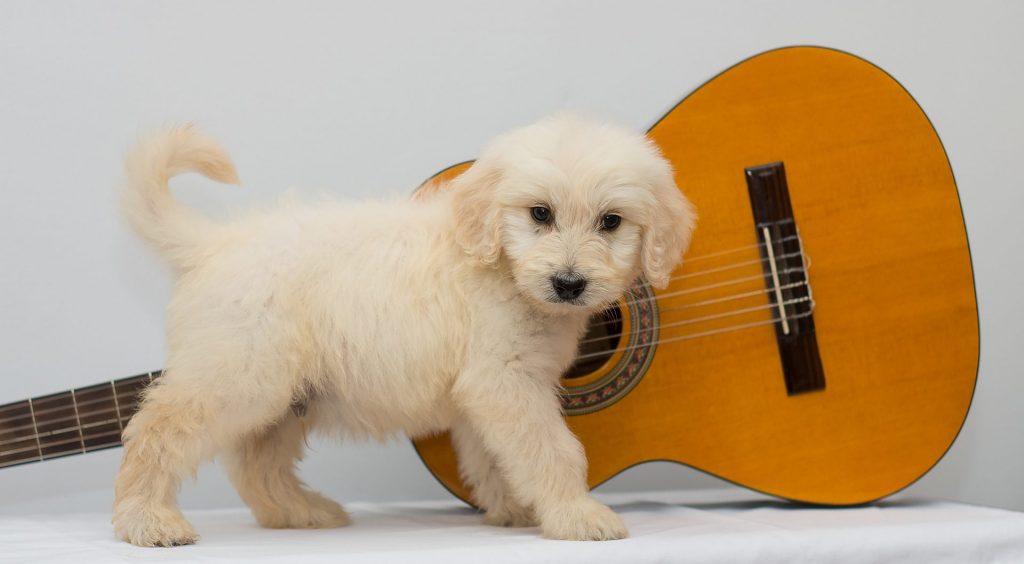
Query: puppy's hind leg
(183, 420)
(162, 445)
(262, 467)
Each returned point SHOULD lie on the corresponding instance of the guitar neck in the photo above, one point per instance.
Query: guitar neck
(71, 422)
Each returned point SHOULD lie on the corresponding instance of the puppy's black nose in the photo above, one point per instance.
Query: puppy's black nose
(568, 285)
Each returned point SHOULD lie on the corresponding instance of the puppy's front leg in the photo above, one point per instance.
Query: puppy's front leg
(518, 418)
(480, 472)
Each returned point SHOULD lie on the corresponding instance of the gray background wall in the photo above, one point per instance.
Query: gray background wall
(370, 98)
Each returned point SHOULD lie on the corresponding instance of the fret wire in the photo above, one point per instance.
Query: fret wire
(81, 436)
(32, 410)
(117, 406)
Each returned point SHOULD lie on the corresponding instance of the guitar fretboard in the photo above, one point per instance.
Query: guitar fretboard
(72, 422)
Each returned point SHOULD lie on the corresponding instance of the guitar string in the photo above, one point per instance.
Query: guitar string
(738, 249)
(732, 282)
(700, 334)
(124, 405)
(806, 265)
(72, 428)
(627, 302)
(687, 260)
(739, 296)
(40, 435)
(74, 439)
(589, 355)
(120, 395)
(732, 266)
(702, 319)
(804, 258)
(62, 407)
(805, 261)
(655, 298)
(804, 269)
(81, 403)
(661, 310)
(35, 458)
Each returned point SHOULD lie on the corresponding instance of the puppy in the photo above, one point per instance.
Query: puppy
(456, 311)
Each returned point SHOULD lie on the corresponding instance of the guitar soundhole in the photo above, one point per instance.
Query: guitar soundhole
(599, 344)
(614, 354)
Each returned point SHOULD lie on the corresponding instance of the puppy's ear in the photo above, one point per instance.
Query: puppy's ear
(667, 232)
(477, 214)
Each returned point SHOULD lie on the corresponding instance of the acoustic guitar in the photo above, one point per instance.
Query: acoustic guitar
(820, 341)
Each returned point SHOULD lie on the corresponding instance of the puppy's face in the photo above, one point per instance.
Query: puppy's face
(573, 238)
(577, 209)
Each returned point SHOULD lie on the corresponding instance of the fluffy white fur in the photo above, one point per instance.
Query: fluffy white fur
(414, 316)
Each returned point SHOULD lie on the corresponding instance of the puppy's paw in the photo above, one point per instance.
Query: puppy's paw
(314, 511)
(582, 519)
(163, 527)
(326, 513)
(510, 516)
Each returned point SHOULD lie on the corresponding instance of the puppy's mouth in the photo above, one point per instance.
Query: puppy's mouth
(579, 301)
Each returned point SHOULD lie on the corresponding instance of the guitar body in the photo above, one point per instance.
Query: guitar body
(882, 267)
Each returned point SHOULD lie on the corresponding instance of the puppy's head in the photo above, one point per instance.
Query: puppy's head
(578, 209)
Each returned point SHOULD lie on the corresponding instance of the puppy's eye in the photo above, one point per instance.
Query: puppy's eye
(540, 214)
(610, 222)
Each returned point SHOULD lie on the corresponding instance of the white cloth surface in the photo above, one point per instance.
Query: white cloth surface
(693, 526)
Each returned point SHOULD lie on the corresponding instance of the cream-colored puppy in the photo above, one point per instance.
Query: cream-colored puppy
(456, 311)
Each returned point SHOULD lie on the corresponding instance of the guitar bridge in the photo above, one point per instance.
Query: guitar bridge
(786, 272)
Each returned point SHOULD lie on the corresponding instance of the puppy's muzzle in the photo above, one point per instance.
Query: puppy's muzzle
(568, 285)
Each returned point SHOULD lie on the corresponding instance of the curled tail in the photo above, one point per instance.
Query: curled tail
(146, 200)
